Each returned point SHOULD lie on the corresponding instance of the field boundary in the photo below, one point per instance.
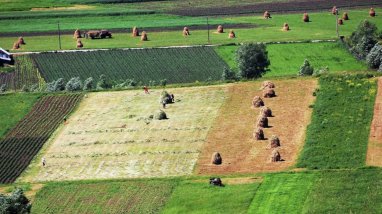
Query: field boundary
(374, 149)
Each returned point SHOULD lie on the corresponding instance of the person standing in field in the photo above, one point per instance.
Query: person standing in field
(43, 161)
(146, 89)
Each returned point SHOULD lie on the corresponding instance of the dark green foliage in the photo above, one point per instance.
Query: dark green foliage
(3, 88)
(306, 69)
(163, 82)
(363, 39)
(88, 84)
(103, 83)
(228, 74)
(16, 203)
(252, 60)
(374, 58)
(339, 131)
(54, 86)
(74, 84)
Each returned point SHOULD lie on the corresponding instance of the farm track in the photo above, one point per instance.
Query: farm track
(276, 7)
(23, 142)
(128, 31)
(374, 150)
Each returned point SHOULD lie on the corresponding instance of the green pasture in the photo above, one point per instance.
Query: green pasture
(286, 59)
(321, 27)
(338, 134)
(13, 107)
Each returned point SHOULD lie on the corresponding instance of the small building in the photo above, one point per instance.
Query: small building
(5, 57)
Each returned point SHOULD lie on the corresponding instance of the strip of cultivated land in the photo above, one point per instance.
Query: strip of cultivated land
(23, 142)
(338, 134)
(110, 136)
(231, 133)
(374, 150)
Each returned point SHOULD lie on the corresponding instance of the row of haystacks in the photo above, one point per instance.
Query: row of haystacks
(262, 120)
(17, 45)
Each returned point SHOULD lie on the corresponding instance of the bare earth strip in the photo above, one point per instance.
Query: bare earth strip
(374, 151)
(108, 137)
(231, 133)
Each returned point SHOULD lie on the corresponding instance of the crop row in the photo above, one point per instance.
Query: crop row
(24, 141)
(177, 65)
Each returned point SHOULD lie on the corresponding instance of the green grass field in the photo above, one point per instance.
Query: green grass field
(339, 131)
(286, 59)
(103, 197)
(321, 27)
(13, 107)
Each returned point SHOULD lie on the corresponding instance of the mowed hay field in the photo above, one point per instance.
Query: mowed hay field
(110, 137)
(231, 134)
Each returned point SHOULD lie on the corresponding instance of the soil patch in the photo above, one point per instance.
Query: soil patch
(231, 133)
(374, 150)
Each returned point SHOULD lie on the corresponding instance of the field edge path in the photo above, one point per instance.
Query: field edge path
(374, 149)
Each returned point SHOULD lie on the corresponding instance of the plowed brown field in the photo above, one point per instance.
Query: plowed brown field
(374, 150)
(231, 133)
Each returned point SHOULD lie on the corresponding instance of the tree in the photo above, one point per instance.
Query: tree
(374, 58)
(74, 84)
(88, 84)
(228, 74)
(103, 83)
(306, 69)
(363, 39)
(15, 203)
(252, 60)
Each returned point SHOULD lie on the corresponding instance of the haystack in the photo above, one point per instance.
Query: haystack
(275, 156)
(345, 16)
(262, 121)
(160, 115)
(135, 32)
(231, 34)
(372, 12)
(269, 93)
(220, 29)
(16, 46)
(79, 43)
(267, 15)
(144, 36)
(165, 97)
(274, 141)
(340, 22)
(285, 27)
(258, 134)
(217, 158)
(186, 31)
(257, 102)
(21, 41)
(267, 84)
(266, 111)
(334, 10)
(77, 34)
(305, 17)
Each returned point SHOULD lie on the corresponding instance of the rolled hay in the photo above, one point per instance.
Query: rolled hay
(258, 134)
(345, 16)
(267, 15)
(267, 84)
(275, 156)
(160, 115)
(262, 121)
(231, 34)
(340, 22)
(217, 158)
(274, 141)
(186, 31)
(305, 17)
(257, 102)
(165, 97)
(372, 12)
(220, 29)
(334, 10)
(16, 45)
(79, 43)
(144, 36)
(135, 32)
(266, 111)
(21, 41)
(285, 27)
(269, 93)
(77, 34)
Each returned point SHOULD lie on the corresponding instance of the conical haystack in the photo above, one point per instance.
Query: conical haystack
(186, 31)
(345, 16)
(265, 111)
(262, 122)
(231, 34)
(257, 102)
(305, 17)
(340, 22)
(269, 93)
(135, 32)
(217, 158)
(267, 84)
(79, 44)
(16, 46)
(285, 27)
(220, 29)
(334, 10)
(21, 41)
(258, 134)
(267, 15)
(77, 34)
(274, 141)
(275, 156)
(144, 36)
(372, 12)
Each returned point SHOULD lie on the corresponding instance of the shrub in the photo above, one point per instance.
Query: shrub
(88, 84)
(163, 82)
(15, 203)
(374, 58)
(306, 69)
(25, 88)
(74, 84)
(3, 88)
(363, 39)
(252, 60)
(228, 74)
(54, 86)
(321, 71)
(103, 83)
